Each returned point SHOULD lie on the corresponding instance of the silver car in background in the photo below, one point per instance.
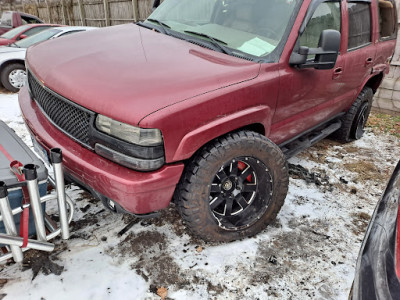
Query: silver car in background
(12, 57)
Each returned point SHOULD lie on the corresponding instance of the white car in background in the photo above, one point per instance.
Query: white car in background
(12, 57)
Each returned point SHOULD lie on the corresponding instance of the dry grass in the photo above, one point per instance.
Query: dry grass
(364, 169)
(380, 122)
(360, 222)
(351, 149)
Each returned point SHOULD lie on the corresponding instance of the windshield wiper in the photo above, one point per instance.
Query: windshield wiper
(14, 45)
(162, 25)
(214, 41)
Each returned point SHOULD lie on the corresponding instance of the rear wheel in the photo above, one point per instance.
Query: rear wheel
(353, 122)
(13, 77)
(360, 121)
(234, 187)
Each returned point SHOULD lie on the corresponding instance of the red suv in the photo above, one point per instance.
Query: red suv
(204, 101)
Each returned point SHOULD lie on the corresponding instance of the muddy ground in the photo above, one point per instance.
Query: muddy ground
(309, 252)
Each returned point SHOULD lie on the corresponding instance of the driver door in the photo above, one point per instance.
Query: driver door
(311, 96)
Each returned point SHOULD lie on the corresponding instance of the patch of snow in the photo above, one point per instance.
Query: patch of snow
(310, 250)
(9, 108)
(88, 274)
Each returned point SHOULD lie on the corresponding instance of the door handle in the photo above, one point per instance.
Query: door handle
(368, 61)
(337, 72)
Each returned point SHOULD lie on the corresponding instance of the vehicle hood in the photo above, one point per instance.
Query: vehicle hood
(127, 72)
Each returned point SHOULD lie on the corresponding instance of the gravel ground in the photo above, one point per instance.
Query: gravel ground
(308, 252)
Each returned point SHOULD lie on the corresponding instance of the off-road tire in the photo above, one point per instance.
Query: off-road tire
(5, 74)
(363, 104)
(194, 189)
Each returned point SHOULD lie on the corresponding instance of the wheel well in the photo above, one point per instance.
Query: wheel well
(256, 127)
(13, 61)
(374, 82)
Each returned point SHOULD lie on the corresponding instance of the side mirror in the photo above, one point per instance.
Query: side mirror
(325, 55)
(22, 36)
(156, 4)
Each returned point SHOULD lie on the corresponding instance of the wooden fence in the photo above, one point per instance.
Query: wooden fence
(97, 13)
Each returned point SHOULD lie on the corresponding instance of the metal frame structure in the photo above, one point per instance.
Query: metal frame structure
(46, 228)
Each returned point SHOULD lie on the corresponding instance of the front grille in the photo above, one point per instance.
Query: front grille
(67, 116)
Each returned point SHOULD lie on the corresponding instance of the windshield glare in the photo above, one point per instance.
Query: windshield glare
(254, 27)
(36, 38)
(13, 32)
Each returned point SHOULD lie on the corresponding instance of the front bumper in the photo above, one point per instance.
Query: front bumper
(136, 192)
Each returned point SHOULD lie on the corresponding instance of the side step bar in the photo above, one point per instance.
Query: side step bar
(309, 139)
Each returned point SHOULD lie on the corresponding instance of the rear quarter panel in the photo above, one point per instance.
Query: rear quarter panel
(385, 50)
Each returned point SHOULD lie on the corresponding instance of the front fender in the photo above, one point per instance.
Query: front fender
(197, 138)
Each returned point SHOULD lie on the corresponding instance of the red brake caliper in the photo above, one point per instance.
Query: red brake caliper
(241, 167)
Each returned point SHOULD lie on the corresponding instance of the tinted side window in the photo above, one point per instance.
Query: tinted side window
(326, 16)
(28, 20)
(359, 24)
(35, 30)
(387, 18)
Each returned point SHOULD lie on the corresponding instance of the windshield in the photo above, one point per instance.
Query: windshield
(39, 37)
(254, 27)
(6, 19)
(13, 32)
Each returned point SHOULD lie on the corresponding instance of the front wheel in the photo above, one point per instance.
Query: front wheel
(234, 187)
(13, 77)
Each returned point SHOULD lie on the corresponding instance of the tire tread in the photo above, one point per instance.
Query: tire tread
(343, 134)
(187, 188)
(5, 73)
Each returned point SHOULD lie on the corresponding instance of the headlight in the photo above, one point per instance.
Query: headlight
(129, 133)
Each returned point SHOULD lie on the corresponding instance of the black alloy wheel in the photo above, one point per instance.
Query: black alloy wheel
(236, 200)
(233, 187)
